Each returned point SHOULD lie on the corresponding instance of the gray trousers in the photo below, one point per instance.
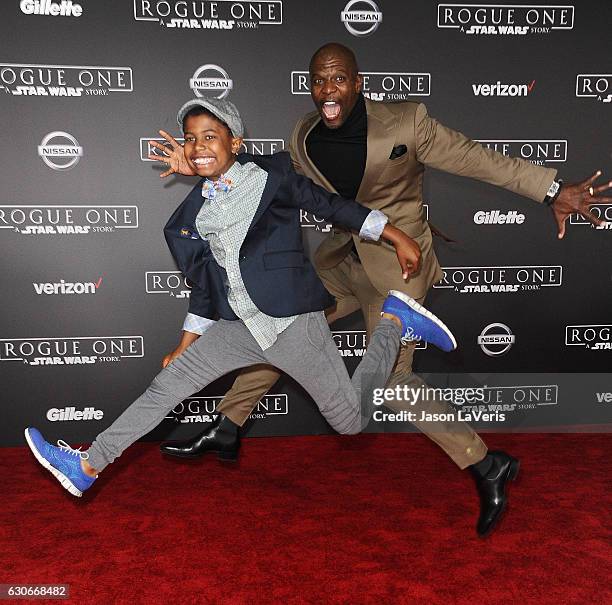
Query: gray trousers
(305, 350)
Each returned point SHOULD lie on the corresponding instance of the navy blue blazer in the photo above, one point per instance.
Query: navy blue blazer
(275, 270)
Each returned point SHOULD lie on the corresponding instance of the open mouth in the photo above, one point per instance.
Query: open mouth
(331, 110)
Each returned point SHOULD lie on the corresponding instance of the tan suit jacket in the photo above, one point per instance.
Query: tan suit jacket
(396, 186)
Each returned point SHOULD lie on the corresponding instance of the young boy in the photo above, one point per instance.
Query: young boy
(237, 238)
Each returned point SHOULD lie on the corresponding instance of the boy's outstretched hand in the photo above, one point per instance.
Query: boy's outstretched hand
(174, 156)
(171, 356)
(407, 250)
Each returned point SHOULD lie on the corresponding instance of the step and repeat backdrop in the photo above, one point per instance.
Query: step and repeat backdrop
(91, 298)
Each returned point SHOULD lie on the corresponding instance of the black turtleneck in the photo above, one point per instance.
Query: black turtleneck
(340, 153)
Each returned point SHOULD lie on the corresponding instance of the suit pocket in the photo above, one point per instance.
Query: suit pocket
(396, 161)
(283, 260)
(398, 151)
(396, 172)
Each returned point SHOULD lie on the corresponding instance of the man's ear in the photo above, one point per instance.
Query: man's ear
(358, 83)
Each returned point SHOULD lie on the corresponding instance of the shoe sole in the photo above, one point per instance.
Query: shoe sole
(423, 311)
(222, 456)
(66, 483)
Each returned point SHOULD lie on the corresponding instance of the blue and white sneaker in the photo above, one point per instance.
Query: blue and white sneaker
(63, 462)
(417, 322)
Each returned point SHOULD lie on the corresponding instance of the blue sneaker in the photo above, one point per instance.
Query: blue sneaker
(63, 462)
(417, 322)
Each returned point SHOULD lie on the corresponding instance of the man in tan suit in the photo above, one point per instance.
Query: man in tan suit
(377, 153)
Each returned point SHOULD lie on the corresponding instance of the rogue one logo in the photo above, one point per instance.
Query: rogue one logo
(501, 279)
(368, 20)
(71, 350)
(252, 146)
(167, 282)
(597, 337)
(353, 343)
(207, 14)
(376, 85)
(203, 409)
(598, 86)
(502, 19)
(23, 79)
(60, 150)
(308, 219)
(602, 211)
(45, 220)
(536, 151)
(218, 87)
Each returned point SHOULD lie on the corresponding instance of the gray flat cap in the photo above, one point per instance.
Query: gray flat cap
(224, 110)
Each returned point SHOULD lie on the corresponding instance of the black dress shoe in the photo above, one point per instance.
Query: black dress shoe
(491, 488)
(222, 437)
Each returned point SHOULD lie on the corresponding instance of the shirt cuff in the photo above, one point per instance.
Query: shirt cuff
(197, 324)
(373, 225)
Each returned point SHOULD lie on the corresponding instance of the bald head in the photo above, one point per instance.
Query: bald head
(335, 51)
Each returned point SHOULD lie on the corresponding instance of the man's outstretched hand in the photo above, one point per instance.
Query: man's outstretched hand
(576, 198)
(174, 156)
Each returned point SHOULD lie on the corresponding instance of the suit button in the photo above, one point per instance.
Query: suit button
(243, 258)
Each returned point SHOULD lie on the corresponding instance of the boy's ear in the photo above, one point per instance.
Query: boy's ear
(236, 145)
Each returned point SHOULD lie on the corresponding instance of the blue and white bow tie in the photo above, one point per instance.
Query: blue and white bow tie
(210, 188)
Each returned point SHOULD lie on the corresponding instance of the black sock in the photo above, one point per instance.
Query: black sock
(484, 466)
(228, 425)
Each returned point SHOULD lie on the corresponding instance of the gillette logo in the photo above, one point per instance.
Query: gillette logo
(495, 217)
(65, 8)
(71, 413)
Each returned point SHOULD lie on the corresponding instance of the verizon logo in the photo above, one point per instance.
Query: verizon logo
(604, 397)
(497, 89)
(64, 287)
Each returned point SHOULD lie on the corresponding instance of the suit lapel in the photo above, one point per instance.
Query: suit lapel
(310, 121)
(381, 136)
(273, 182)
(185, 215)
(188, 249)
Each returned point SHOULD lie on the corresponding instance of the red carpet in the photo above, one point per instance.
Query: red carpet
(366, 519)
